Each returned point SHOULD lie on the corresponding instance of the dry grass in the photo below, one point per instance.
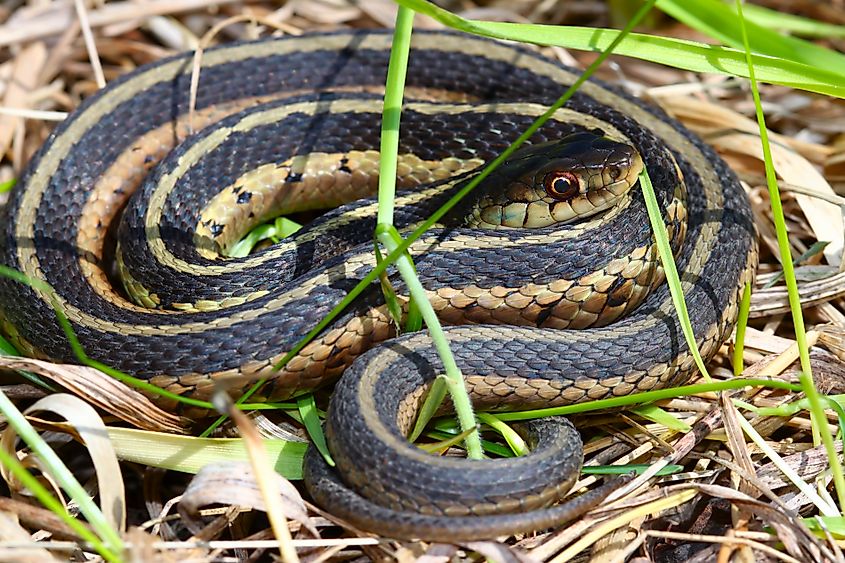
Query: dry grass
(730, 503)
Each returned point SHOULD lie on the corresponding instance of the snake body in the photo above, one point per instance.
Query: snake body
(281, 108)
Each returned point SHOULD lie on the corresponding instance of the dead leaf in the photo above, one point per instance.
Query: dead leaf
(27, 67)
(103, 391)
(234, 484)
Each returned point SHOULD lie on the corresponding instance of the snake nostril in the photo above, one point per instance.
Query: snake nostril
(615, 172)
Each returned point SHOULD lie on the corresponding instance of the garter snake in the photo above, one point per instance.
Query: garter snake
(304, 112)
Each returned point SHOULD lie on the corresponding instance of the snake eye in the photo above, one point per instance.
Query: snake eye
(561, 185)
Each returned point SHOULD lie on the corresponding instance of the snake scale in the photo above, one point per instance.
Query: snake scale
(292, 124)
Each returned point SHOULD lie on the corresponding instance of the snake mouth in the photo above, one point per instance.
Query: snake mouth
(558, 182)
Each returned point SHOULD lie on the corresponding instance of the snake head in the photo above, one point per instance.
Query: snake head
(556, 182)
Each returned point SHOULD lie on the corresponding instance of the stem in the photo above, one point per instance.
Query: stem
(390, 238)
(394, 90)
(741, 325)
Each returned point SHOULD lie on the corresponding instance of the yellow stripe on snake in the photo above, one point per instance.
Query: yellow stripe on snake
(546, 273)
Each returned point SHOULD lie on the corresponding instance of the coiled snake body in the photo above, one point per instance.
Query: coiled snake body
(304, 113)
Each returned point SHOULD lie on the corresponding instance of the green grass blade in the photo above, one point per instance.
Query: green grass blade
(440, 447)
(638, 468)
(394, 90)
(394, 308)
(285, 227)
(7, 348)
(790, 23)
(313, 424)
(658, 228)
(678, 53)
(660, 416)
(648, 397)
(274, 232)
(413, 318)
(741, 325)
(718, 20)
(243, 247)
(824, 526)
(489, 447)
(514, 440)
(806, 376)
(832, 402)
(189, 454)
(433, 399)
